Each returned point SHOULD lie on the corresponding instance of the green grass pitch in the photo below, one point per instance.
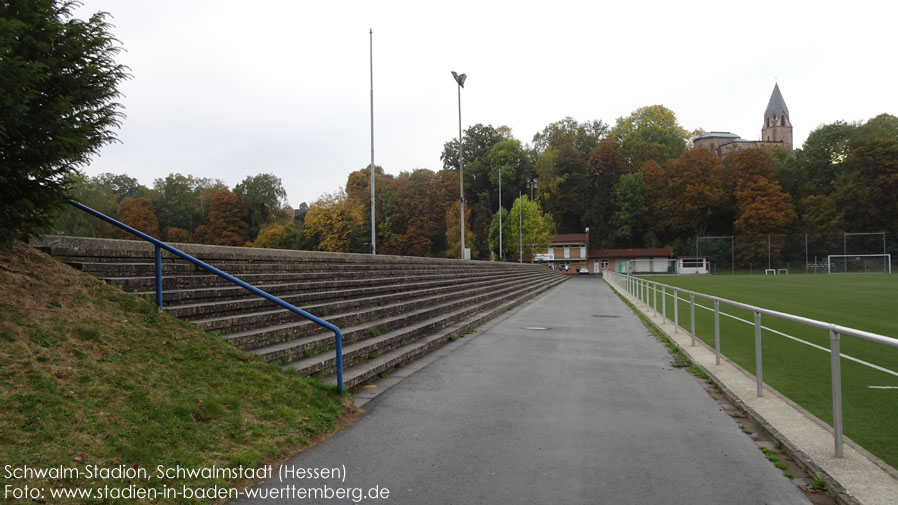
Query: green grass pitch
(863, 301)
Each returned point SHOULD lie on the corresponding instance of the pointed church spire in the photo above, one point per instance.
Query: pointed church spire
(777, 106)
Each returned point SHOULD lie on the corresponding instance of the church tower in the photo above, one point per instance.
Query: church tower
(777, 127)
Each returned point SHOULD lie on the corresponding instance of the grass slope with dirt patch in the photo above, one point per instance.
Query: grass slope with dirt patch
(90, 375)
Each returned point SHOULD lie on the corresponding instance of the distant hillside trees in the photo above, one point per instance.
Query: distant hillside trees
(637, 184)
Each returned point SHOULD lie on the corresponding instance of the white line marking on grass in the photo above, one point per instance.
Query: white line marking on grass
(805, 342)
(883, 387)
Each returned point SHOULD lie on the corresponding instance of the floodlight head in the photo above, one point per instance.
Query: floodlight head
(460, 79)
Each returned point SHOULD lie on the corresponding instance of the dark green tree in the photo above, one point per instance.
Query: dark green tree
(631, 208)
(98, 196)
(867, 193)
(58, 106)
(650, 133)
(175, 202)
(124, 186)
(264, 198)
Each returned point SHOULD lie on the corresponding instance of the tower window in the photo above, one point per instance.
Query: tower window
(768, 122)
(783, 120)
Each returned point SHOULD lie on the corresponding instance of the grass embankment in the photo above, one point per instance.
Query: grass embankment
(91, 375)
(866, 302)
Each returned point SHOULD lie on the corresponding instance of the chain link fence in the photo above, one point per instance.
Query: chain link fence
(811, 253)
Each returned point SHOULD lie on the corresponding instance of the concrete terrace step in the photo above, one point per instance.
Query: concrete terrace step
(130, 269)
(389, 360)
(260, 328)
(200, 280)
(357, 352)
(172, 297)
(301, 296)
(319, 339)
(391, 309)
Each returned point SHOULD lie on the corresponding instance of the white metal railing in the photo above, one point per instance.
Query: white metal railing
(646, 292)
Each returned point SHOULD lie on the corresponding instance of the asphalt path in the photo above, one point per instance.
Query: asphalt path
(586, 411)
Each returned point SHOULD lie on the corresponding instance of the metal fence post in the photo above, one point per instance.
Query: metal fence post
(692, 316)
(717, 331)
(676, 311)
(655, 300)
(759, 378)
(836, 366)
(663, 303)
(158, 259)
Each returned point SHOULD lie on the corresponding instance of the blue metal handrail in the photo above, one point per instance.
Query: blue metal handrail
(159, 245)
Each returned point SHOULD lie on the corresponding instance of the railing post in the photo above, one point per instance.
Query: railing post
(717, 331)
(655, 300)
(663, 303)
(338, 336)
(158, 260)
(836, 367)
(692, 316)
(759, 377)
(676, 311)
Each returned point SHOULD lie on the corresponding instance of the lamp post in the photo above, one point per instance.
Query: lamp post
(460, 79)
(586, 256)
(371, 66)
(520, 228)
(500, 213)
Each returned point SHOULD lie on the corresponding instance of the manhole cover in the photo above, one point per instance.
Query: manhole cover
(604, 315)
(537, 328)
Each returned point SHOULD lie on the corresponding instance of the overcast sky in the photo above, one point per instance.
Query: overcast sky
(226, 89)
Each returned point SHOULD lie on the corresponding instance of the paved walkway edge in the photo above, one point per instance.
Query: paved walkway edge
(856, 478)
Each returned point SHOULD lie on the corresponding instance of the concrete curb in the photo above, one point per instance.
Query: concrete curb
(855, 479)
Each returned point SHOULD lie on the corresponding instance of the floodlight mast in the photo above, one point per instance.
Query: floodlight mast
(371, 65)
(460, 79)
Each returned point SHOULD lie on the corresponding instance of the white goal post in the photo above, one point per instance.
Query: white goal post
(858, 263)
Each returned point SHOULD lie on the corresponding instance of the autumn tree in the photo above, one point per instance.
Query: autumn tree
(453, 231)
(138, 214)
(276, 236)
(203, 189)
(57, 108)
(179, 235)
(358, 190)
(686, 193)
(331, 221)
(605, 166)
(762, 207)
(419, 211)
(227, 225)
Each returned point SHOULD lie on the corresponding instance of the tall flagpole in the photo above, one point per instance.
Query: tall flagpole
(371, 55)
